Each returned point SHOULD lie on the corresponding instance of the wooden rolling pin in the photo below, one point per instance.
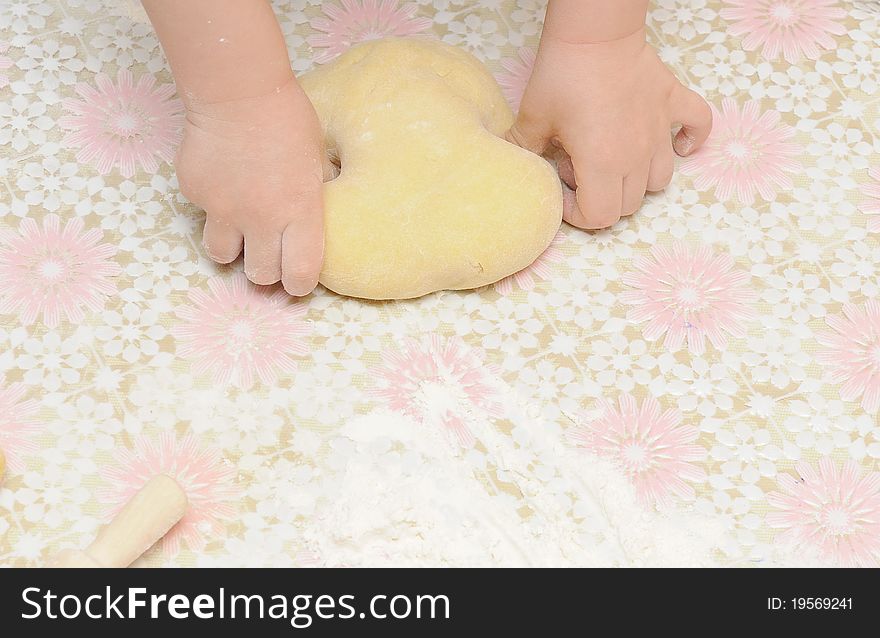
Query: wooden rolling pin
(146, 518)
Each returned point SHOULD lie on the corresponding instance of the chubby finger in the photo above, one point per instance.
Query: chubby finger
(599, 195)
(533, 134)
(634, 186)
(222, 241)
(262, 257)
(695, 116)
(302, 246)
(566, 168)
(571, 211)
(662, 166)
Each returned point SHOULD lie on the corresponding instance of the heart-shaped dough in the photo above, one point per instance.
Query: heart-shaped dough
(429, 197)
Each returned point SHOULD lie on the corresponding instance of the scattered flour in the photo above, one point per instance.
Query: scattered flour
(403, 497)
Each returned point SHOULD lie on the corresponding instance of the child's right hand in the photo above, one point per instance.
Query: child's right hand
(255, 165)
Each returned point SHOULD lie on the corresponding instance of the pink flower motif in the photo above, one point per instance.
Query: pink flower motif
(55, 272)
(5, 63)
(125, 124)
(17, 427)
(747, 152)
(240, 331)
(654, 448)
(872, 204)
(439, 382)
(361, 20)
(689, 294)
(853, 353)
(836, 510)
(542, 269)
(207, 480)
(795, 28)
(516, 75)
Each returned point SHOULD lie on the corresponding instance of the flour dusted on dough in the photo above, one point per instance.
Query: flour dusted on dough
(430, 197)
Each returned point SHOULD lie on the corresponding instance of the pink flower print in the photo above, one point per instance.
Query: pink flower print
(794, 28)
(541, 269)
(835, 510)
(55, 272)
(871, 206)
(5, 63)
(747, 153)
(516, 75)
(438, 382)
(852, 352)
(238, 332)
(207, 480)
(653, 447)
(361, 20)
(17, 427)
(123, 124)
(689, 294)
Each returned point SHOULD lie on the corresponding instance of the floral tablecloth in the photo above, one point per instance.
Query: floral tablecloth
(698, 385)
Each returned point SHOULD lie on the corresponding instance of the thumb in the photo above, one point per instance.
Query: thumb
(530, 133)
(695, 116)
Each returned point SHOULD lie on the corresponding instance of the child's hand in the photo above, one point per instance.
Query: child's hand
(610, 106)
(255, 165)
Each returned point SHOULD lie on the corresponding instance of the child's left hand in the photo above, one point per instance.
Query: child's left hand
(610, 107)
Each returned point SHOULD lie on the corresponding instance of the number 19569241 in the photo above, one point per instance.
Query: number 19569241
(809, 603)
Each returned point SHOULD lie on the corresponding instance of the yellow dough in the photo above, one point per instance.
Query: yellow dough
(429, 197)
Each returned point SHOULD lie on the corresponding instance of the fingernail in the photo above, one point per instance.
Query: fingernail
(685, 143)
(300, 287)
